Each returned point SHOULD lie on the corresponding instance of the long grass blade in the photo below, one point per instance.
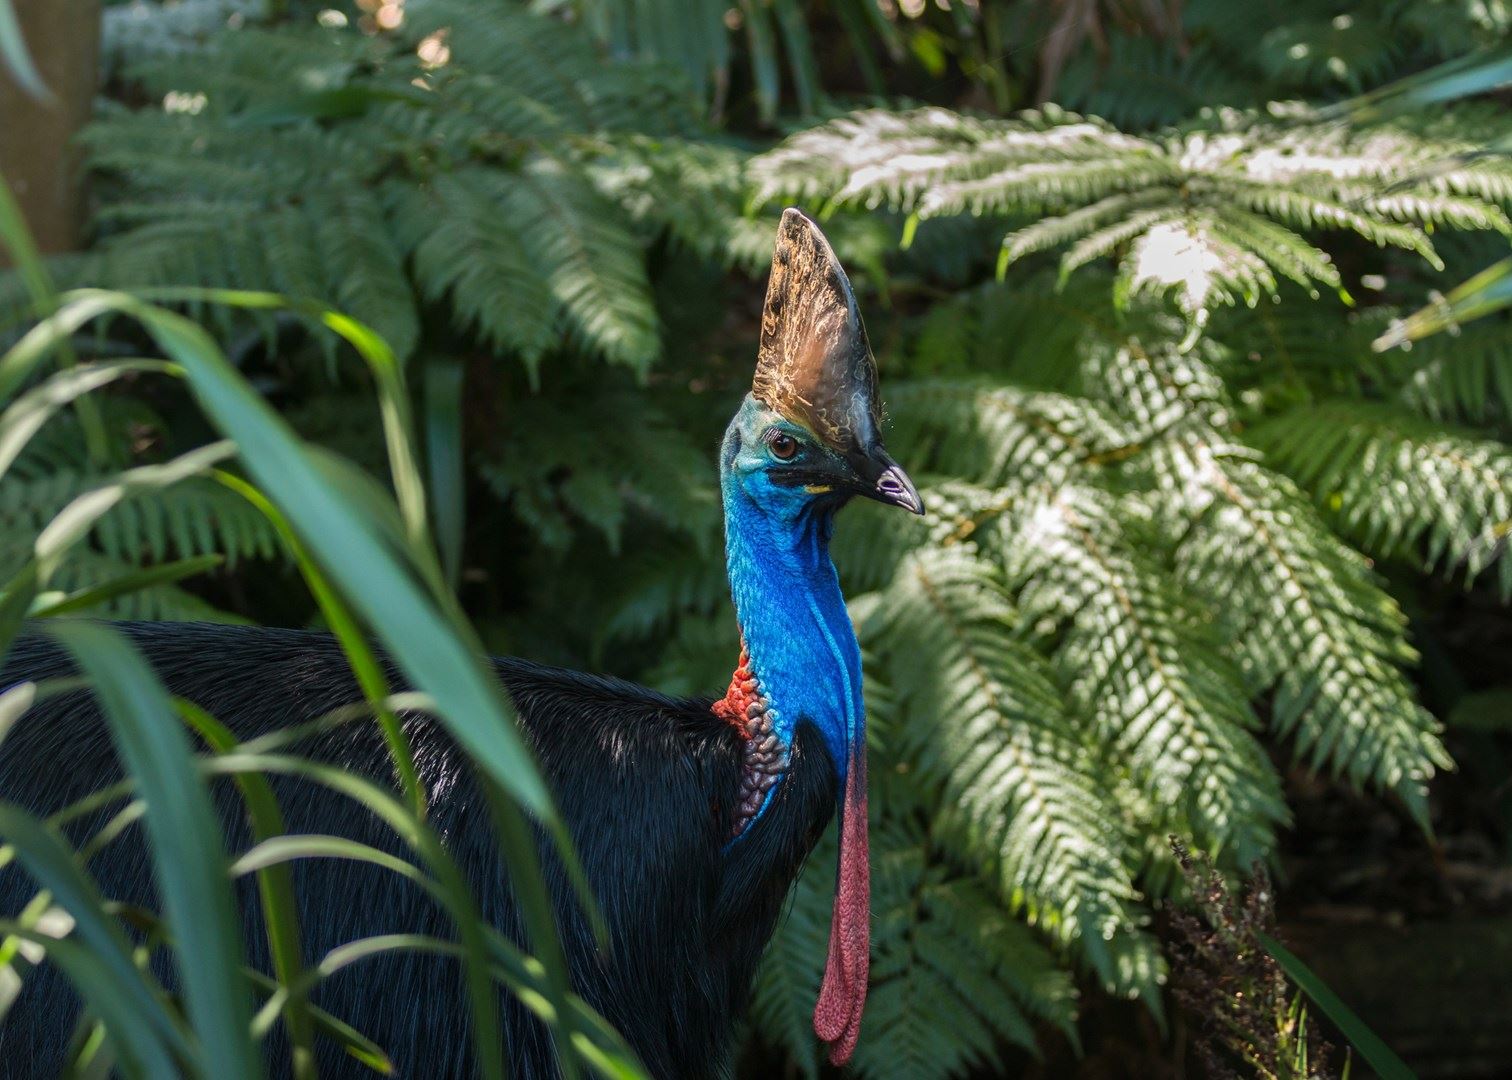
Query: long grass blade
(189, 860)
(275, 887)
(365, 666)
(16, 239)
(438, 655)
(115, 984)
(1486, 292)
(74, 521)
(28, 413)
(1465, 76)
(152, 577)
(14, 701)
(1376, 1053)
(97, 984)
(388, 378)
(443, 457)
(18, 243)
(451, 885)
(443, 880)
(333, 1027)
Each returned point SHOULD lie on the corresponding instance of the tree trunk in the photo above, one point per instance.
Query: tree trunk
(38, 157)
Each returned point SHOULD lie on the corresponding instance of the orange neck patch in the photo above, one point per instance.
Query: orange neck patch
(735, 707)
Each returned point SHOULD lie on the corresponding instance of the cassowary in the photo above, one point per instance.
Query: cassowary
(692, 817)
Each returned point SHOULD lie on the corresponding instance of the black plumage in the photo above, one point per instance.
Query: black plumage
(648, 786)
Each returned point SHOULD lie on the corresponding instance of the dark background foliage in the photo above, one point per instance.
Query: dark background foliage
(1201, 560)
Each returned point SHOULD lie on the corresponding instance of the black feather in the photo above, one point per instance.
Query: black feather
(646, 783)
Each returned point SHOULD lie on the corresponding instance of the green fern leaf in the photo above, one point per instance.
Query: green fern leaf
(1147, 671)
(1311, 624)
(1020, 779)
(1401, 484)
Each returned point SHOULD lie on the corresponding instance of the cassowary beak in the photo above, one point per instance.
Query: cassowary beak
(883, 479)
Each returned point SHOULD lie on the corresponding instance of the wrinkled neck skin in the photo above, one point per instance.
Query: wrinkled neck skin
(797, 635)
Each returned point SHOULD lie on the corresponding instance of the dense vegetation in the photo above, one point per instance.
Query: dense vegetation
(1180, 505)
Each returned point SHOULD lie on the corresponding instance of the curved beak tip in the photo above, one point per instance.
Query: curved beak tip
(896, 489)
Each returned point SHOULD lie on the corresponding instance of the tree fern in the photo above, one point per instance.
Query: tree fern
(1276, 577)
(1310, 623)
(344, 168)
(1401, 484)
(1109, 568)
(1021, 779)
(1215, 210)
(1135, 657)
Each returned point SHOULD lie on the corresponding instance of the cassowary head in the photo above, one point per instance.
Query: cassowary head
(809, 430)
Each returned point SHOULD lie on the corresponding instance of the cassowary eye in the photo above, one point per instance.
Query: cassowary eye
(784, 447)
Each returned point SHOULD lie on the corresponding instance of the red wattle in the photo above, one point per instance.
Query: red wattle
(842, 996)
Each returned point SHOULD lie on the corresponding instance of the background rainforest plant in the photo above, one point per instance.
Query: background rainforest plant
(1187, 524)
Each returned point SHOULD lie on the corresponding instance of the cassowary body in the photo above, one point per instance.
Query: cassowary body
(691, 817)
(649, 786)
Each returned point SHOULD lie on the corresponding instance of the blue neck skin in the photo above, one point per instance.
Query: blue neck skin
(787, 596)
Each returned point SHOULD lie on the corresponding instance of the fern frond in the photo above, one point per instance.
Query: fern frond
(466, 246)
(527, 178)
(1141, 82)
(88, 569)
(1351, 50)
(697, 657)
(1307, 620)
(1097, 219)
(133, 34)
(1028, 332)
(365, 267)
(1037, 186)
(1001, 436)
(656, 589)
(1310, 623)
(193, 517)
(1313, 210)
(870, 552)
(625, 459)
(593, 264)
(1147, 670)
(554, 64)
(984, 722)
(692, 190)
(1211, 208)
(1465, 376)
(1400, 484)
